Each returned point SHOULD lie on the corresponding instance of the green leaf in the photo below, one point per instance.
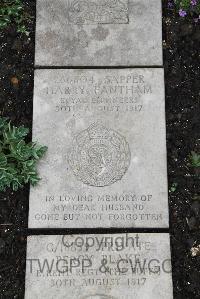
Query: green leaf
(21, 132)
(15, 134)
(3, 160)
(13, 12)
(39, 151)
(18, 159)
(3, 122)
(30, 164)
(2, 175)
(2, 187)
(173, 187)
(34, 180)
(194, 159)
(20, 150)
(22, 29)
(10, 133)
(16, 185)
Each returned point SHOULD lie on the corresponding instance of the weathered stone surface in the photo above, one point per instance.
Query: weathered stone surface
(122, 266)
(106, 163)
(98, 33)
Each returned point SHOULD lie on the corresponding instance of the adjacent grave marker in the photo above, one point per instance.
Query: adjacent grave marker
(122, 266)
(106, 163)
(98, 33)
(89, 12)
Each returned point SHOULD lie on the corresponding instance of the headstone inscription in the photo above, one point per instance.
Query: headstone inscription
(106, 162)
(121, 266)
(98, 33)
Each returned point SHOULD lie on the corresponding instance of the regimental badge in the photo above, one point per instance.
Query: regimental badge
(99, 156)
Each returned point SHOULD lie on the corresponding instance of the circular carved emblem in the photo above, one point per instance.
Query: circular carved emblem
(99, 156)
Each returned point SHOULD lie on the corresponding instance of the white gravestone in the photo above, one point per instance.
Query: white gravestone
(122, 266)
(106, 159)
(98, 33)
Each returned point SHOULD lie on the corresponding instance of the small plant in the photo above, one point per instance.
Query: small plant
(173, 188)
(18, 159)
(12, 11)
(186, 8)
(194, 159)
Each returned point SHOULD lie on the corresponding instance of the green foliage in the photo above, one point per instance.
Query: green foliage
(184, 4)
(173, 188)
(18, 159)
(189, 6)
(12, 11)
(194, 159)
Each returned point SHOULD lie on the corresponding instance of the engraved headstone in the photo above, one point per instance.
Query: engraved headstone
(106, 159)
(121, 266)
(98, 32)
